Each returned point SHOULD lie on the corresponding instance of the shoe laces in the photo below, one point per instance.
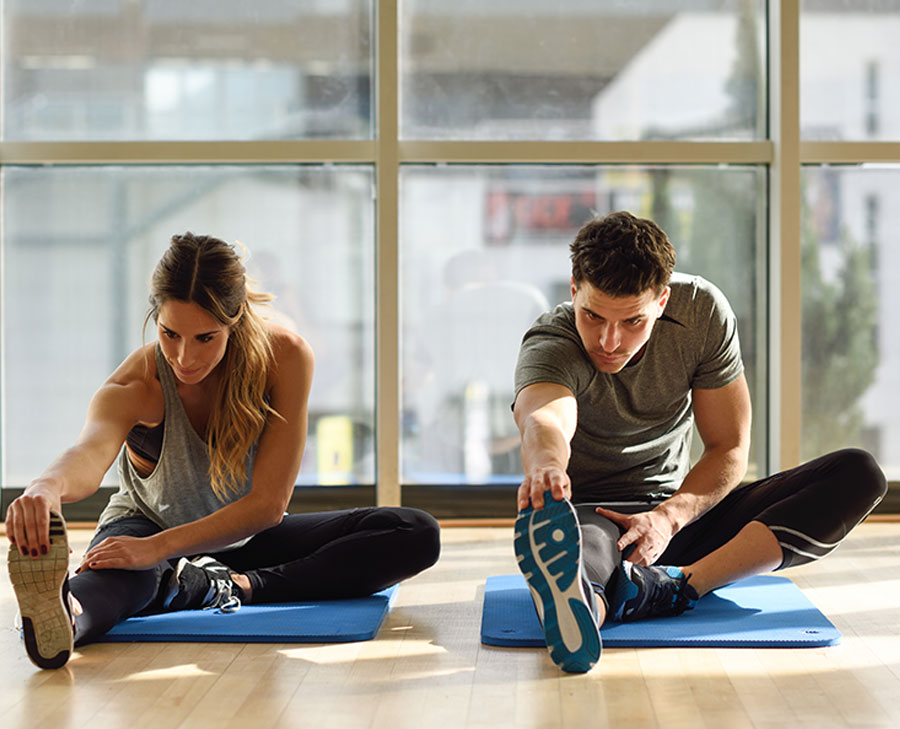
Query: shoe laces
(221, 595)
(230, 605)
(670, 594)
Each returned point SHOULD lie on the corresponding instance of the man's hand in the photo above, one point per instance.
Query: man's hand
(536, 482)
(650, 532)
(124, 553)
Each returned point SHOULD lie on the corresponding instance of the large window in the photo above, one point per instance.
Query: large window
(79, 246)
(544, 69)
(201, 70)
(850, 125)
(473, 284)
(407, 175)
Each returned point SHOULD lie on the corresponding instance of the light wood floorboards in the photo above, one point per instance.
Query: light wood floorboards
(427, 668)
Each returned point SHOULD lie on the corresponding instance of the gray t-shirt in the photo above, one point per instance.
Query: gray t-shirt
(634, 431)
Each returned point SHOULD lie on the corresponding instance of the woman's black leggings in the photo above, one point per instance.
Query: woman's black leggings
(319, 556)
(810, 509)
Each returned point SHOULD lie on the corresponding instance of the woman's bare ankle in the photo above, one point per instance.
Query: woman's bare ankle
(243, 582)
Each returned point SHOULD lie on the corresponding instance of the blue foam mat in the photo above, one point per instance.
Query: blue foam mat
(327, 621)
(760, 612)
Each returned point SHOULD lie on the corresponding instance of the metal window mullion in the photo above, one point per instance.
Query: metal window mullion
(387, 264)
(500, 152)
(252, 152)
(785, 269)
(849, 152)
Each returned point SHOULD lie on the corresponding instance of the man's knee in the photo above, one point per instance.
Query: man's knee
(861, 471)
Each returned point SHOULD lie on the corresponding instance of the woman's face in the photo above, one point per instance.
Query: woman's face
(192, 341)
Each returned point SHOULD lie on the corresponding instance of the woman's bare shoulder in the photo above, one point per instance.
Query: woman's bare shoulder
(289, 346)
(292, 358)
(136, 380)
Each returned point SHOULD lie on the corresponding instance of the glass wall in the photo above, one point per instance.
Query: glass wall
(473, 284)
(413, 227)
(206, 69)
(80, 244)
(850, 114)
(848, 62)
(543, 69)
(851, 341)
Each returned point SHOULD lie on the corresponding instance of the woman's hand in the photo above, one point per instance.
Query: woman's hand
(124, 553)
(28, 519)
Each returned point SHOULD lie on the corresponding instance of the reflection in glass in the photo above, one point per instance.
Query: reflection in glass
(851, 349)
(849, 57)
(551, 70)
(484, 251)
(201, 70)
(75, 290)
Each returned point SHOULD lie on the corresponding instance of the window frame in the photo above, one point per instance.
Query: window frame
(783, 153)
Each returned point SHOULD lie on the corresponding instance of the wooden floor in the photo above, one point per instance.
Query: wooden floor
(427, 668)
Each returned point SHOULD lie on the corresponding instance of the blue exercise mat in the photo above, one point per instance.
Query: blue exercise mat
(327, 621)
(760, 612)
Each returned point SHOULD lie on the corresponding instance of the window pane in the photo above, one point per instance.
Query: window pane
(849, 61)
(851, 351)
(568, 69)
(485, 251)
(167, 69)
(75, 290)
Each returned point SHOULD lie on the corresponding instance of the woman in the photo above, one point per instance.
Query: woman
(213, 418)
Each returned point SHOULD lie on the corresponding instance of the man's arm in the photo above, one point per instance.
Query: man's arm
(722, 416)
(723, 421)
(547, 415)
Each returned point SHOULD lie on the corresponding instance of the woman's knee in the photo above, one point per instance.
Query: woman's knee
(418, 535)
(424, 536)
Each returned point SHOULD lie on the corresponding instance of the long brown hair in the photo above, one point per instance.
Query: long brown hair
(208, 272)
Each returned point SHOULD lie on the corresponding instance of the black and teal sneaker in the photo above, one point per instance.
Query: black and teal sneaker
(201, 583)
(41, 585)
(649, 592)
(548, 548)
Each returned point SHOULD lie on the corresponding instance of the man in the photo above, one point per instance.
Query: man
(614, 522)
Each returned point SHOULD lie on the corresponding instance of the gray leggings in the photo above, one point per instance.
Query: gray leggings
(810, 509)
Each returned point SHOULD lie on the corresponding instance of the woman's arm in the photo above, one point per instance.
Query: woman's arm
(274, 474)
(77, 472)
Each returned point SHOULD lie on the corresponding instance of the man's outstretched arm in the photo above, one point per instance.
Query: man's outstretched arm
(547, 415)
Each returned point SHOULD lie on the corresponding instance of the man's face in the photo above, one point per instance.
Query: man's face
(614, 329)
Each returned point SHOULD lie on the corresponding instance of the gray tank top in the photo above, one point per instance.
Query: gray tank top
(178, 490)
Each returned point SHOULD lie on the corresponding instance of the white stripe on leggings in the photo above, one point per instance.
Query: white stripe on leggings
(792, 548)
(812, 541)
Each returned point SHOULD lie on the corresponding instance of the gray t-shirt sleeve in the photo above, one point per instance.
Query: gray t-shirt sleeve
(720, 361)
(551, 353)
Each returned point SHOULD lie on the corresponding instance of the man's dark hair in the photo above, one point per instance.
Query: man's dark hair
(622, 255)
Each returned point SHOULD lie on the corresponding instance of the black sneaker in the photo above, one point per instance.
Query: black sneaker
(548, 548)
(201, 583)
(649, 592)
(41, 585)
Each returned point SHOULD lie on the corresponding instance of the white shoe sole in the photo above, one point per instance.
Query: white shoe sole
(38, 584)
